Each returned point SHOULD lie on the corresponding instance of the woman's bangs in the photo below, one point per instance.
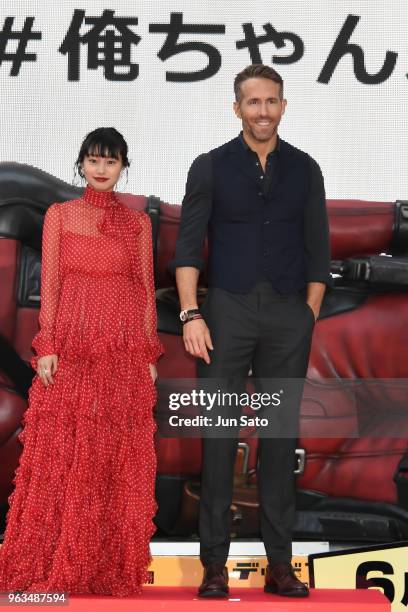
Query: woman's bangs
(100, 148)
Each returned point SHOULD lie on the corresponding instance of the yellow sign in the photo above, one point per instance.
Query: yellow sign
(382, 567)
(242, 571)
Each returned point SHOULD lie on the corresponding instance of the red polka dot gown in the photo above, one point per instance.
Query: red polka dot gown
(80, 517)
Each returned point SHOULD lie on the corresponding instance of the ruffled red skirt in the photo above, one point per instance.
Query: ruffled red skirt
(81, 514)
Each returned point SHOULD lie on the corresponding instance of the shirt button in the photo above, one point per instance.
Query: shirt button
(261, 176)
(260, 193)
(266, 222)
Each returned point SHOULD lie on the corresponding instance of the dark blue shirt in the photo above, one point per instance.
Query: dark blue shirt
(260, 224)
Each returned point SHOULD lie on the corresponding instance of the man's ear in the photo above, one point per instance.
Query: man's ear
(237, 110)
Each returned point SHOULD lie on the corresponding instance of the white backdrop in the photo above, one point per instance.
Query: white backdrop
(356, 131)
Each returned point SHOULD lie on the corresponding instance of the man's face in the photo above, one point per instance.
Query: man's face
(260, 108)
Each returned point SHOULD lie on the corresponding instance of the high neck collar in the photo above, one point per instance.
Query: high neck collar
(101, 199)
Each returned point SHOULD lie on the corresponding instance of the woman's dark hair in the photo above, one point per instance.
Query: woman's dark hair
(103, 142)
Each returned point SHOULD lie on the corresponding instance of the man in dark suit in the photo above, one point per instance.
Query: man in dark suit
(261, 202)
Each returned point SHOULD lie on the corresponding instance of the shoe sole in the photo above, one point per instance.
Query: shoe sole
(215, 594)
(274, 591)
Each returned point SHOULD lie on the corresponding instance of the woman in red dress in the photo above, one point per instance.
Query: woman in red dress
(81, 514)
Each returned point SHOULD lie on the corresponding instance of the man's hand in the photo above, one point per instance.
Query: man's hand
(46, 368)
(197, 339)
(315, 294)
(315, 309)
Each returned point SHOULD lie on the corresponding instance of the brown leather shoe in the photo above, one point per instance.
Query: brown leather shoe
(215, 581)
(281, 579)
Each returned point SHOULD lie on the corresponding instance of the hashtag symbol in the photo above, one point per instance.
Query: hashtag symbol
(19, 55)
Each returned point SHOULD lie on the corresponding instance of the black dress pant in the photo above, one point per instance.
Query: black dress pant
(270, 333)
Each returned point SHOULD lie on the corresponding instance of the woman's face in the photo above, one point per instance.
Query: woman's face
(101, 173)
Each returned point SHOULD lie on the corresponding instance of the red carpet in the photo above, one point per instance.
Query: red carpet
(178, 599)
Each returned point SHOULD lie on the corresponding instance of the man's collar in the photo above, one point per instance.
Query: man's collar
(246, 146)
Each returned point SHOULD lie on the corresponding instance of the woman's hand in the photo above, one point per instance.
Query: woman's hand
(46, 368)
(153, 372)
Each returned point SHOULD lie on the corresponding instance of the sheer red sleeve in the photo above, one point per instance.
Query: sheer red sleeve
(154, 347)
(43, 343)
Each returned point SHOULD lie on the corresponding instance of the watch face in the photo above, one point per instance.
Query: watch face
(183, 315)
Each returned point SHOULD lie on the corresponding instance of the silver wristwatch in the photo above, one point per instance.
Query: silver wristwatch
(187, 315)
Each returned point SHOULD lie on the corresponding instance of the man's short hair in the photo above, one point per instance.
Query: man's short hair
(256, 71)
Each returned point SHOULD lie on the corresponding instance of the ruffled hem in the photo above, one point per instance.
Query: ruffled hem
(73, 348)
(81, 514)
